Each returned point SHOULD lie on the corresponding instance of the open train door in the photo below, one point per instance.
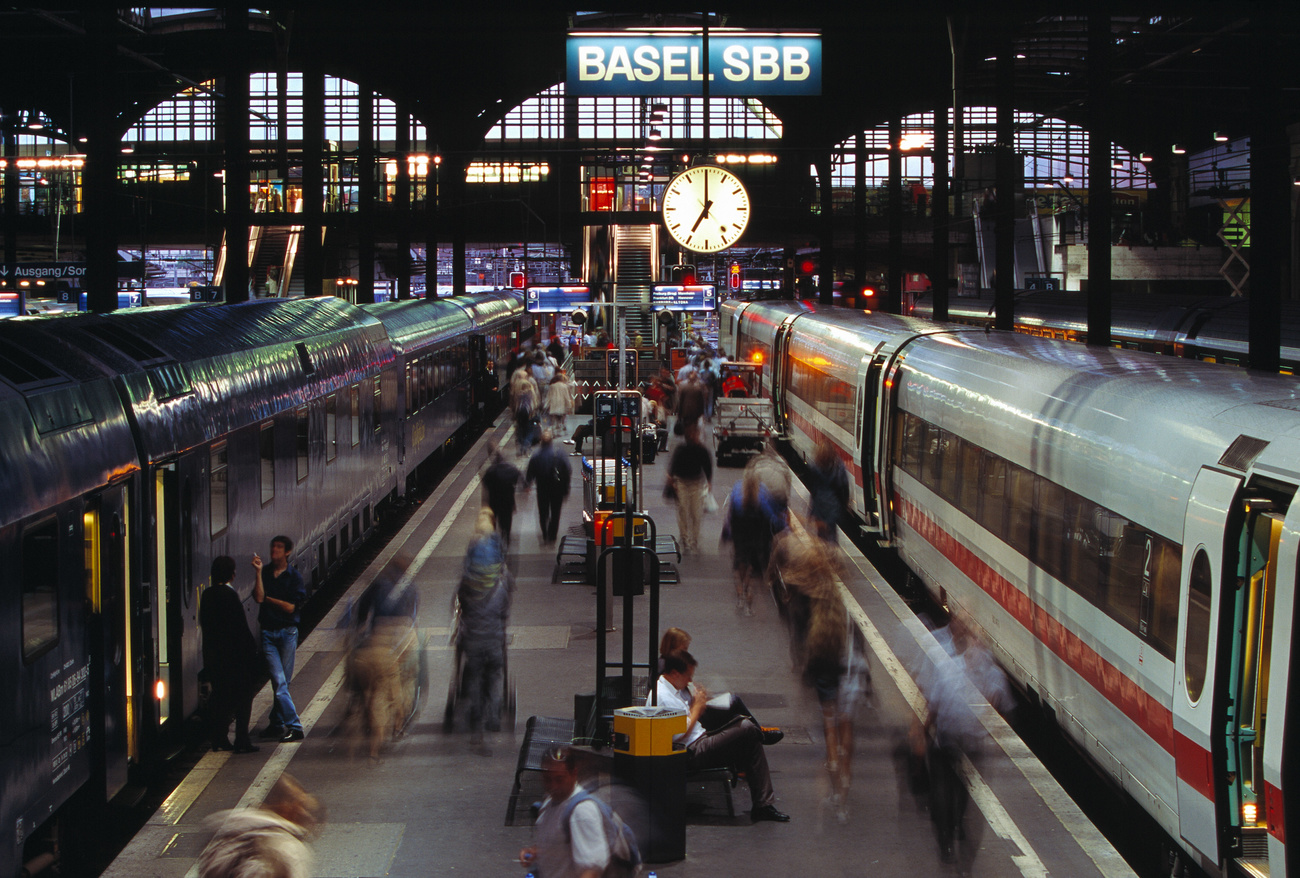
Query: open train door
(1198, 702)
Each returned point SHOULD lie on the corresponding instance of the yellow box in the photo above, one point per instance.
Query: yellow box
(648, 730)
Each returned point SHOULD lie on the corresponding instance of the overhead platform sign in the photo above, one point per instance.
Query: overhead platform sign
(684, 297)
(567, 298)
(739, 63)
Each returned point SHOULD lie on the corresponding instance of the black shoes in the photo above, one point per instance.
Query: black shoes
(273, 732)
(771, 735)
(769, 812)
(292, 735)
(246, 748)
(222, 745)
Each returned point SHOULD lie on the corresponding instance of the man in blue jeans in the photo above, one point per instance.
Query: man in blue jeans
(281, 593)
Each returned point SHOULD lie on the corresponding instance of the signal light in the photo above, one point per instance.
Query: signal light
(516, 280)
(807, 266)
(159, 690)
(734, 278)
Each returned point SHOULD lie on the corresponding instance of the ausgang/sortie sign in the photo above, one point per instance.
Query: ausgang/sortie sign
(653, 65)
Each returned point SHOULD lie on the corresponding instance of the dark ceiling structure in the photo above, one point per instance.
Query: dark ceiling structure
(1176, 71)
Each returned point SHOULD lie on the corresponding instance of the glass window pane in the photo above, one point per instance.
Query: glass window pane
(40, 596)
(1197, 639)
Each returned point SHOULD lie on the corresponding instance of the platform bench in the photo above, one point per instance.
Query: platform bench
(541, 733)
(711, 776)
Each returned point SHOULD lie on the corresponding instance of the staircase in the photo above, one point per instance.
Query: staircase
(634, 264)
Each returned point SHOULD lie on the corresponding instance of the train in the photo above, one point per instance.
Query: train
(137, 446)
(1117, 526)
(1214, 329)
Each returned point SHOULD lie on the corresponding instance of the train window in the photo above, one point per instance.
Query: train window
(969, 488)
(949, 459)
(266, 451)
(40, 590)
(1166, 564)
(1196, 641)
(354, 399)
(331, 428)
(377, 414)
(907, 443)
(993, 494)
(412, 390)
(1020, 484)
(1049, 528)
(1086, 553)
(218, 487)
(303, 443)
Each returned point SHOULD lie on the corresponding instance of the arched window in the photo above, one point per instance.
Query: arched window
(1053, 150)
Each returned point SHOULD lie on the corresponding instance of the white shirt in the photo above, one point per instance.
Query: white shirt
(671, 696)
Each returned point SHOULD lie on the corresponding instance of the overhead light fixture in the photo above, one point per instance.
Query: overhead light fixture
(1068, 178)
(1179, 149)
(34, 122)
(1221, 136)
(1144, 157)
(127, 149)
(655, 134)
(657, 112)
(1117, 165)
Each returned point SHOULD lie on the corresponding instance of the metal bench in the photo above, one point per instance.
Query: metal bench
(705, 777)
(573, 556)
(541, 733)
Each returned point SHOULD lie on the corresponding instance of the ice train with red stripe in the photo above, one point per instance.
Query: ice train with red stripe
(1118, 525)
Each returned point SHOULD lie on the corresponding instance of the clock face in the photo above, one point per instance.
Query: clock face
(705, 208)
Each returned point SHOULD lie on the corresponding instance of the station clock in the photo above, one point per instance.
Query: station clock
(705, 208)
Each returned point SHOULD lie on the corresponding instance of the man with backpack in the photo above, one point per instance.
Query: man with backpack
(578, 835)
(550, 469)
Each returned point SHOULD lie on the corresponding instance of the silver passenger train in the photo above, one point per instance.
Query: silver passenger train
(1212, 329)
(137, 446)
(1118, 526)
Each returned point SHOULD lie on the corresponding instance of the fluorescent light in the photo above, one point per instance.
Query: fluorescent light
(1179, 149)
(1221, 137)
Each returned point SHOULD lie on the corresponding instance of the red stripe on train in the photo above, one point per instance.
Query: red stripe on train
(850, 461)
(1276, 812)
(1154, 718)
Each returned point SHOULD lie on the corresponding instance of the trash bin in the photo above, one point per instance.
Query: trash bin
(646, 760)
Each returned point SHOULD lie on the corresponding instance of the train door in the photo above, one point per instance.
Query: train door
(869, 420)
(104, 523)
(780, 372)
(1249, 613)
(1230, 554)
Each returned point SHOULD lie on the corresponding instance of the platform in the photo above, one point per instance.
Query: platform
(433, 804)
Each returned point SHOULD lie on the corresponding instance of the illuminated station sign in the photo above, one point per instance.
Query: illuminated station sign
(557, 299)
(684, 297)
(739, 63)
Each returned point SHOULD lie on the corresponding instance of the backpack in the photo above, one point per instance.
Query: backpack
(624, 855)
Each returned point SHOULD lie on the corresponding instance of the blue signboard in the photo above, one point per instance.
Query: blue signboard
(565, 299)
(681, 297)
(8, 304)
(742, 64)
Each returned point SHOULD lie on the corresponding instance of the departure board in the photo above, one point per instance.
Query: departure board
(550, 299)
(682, 297)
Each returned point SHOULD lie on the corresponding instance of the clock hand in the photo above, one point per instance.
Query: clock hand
(699, 219)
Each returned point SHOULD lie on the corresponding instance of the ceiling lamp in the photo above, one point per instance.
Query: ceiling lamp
(1068, 178)
(1144, 157)
(1179, 149)
(1221, 136)
(657, 112)
(34, 122)
(655, 134)
(1117, 165)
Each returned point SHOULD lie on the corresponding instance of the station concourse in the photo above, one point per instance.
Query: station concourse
(435, 803)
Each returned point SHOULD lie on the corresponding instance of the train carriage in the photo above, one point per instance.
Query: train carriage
(1119, 526)
(68, 475)
(138, 446)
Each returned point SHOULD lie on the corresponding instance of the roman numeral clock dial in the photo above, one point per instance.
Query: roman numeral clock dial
(705, 208)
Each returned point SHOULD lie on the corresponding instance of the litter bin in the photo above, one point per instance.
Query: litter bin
(646, 760)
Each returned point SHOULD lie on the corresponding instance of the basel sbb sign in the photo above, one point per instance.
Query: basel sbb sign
(672, 65)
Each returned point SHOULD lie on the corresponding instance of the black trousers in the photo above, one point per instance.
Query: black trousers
(231, 697)
(549, 505)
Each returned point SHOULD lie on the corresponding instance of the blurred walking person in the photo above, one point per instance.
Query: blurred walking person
(525, 403)
(500, 480)
(752, 520)
(558, 403)
(383, 639)
(483, 611)
(550, 469)
(690, 473)
(828, 486)
(265, 842)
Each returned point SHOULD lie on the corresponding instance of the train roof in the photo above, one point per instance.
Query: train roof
(418, 323)
(1128, 425)
(192, 373)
